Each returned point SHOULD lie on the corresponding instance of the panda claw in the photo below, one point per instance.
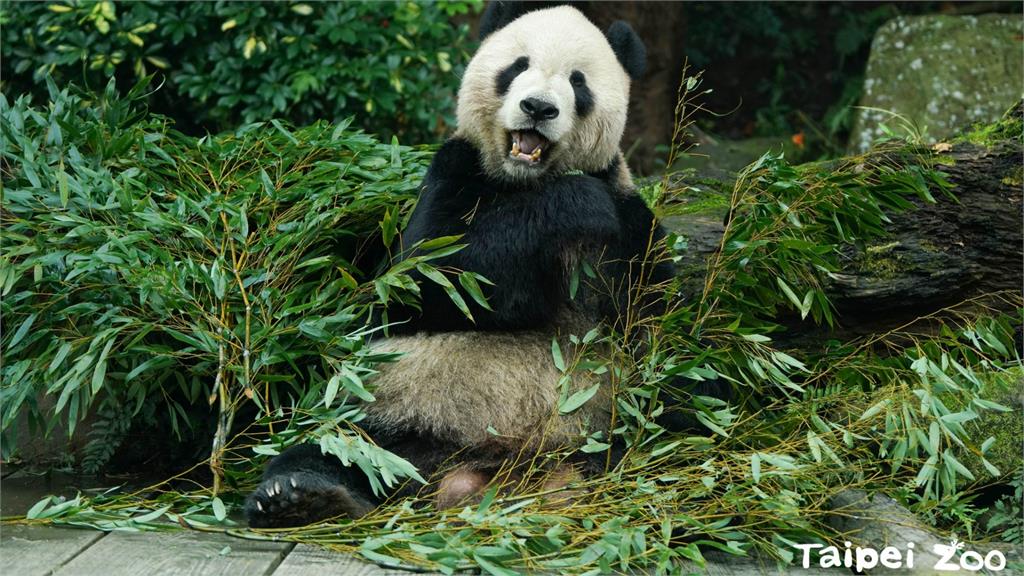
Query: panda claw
(259, 505)
(277, 488)
(293, 482)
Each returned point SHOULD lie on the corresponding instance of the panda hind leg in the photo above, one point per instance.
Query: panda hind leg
(302, 486)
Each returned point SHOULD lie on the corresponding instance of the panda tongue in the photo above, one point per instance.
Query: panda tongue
(530, 140)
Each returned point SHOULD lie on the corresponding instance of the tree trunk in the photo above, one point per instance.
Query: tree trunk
(652, 101)
(937, 255)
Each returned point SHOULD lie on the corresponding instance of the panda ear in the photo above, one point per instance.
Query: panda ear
(500, 12)
(628, 47)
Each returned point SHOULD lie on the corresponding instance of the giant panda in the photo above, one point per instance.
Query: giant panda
(534, 181)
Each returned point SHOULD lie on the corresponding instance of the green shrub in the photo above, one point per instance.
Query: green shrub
(141, 264)
(393, 65)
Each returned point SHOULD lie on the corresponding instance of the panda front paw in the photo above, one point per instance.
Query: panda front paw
(299, 499)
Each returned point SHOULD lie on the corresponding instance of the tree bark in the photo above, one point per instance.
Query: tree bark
(652, 101)
(935, 256)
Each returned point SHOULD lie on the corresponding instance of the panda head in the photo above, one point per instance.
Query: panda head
(547, 92)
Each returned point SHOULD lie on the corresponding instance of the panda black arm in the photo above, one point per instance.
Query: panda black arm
(514, 236)
(458, 198)
(641, 233)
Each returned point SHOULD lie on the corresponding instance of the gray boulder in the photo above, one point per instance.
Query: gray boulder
(941, 73)
(876, 521)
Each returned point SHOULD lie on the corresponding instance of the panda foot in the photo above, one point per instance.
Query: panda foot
(459, 488)
(301, 498)
(556, 485)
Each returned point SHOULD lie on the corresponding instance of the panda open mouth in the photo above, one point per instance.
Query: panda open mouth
(528, 146)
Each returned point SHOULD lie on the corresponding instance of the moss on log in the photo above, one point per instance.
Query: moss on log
(935, 256)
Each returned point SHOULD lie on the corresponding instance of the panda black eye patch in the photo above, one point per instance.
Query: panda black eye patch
(506, 76)
(584, 97)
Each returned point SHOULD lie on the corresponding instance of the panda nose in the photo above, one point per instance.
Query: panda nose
(538, 109)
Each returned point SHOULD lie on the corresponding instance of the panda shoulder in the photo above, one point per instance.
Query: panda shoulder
(456, 163)
(456, 154)
(618, 176)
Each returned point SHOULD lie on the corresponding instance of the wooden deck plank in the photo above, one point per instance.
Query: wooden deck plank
(307, 560)
(176, 554)
(39, 550)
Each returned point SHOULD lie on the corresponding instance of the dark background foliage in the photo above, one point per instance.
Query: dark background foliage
(394, 66)
(775, 68)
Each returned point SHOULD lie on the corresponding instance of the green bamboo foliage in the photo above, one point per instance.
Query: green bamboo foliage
(145, 271)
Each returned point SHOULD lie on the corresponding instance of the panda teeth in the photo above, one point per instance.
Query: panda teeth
(518, 153)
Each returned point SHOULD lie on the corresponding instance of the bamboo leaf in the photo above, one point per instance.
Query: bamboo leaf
(332, 389)
(469, 283)
(556, 355)
(99, 373)
(579, 398)
(219, 511)
(21, 331)
(38, 507)
(790, 294)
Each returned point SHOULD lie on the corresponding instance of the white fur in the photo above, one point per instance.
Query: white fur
(557, 41)
(456, 385)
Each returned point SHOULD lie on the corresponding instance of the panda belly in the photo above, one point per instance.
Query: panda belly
(474, 389)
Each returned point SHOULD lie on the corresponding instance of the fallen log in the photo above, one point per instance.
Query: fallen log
(936, 255)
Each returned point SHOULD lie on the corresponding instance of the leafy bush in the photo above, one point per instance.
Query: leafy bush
(140, 263)
(393, 65)
(146, 269)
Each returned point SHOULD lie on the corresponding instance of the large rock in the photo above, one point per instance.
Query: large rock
(876, 521)
(942, 73)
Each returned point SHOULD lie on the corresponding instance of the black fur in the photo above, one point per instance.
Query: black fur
(584, 96)
(506, 76)
(500, 13)
(628, 47)
(517, 236)
(301, 486)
